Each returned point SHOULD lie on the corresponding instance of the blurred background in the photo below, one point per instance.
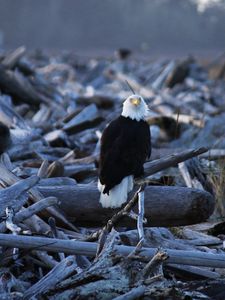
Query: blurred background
(168, 27)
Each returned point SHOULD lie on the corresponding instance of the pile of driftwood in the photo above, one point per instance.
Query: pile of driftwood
(57, 242)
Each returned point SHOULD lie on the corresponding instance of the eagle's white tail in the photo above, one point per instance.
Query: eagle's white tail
(118, 194)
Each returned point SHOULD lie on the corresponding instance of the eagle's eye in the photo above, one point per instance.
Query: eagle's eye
(135, 101)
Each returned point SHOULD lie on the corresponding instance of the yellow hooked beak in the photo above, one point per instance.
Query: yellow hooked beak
(135, 101)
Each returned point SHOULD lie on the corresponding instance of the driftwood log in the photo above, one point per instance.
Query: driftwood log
(185, 257)
(56, 275)
(15, 196)
(180, 205)
(87, 118)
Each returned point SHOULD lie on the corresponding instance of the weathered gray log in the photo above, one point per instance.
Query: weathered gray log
(172, 160)
(35, 208)
(9, 116)
(50, 280)
(192, 271)
(214, 154)
(179, 73)
(54, 181)
(195, 237)
(160, 80)
(30, 211)
(42, 115)
(8, 177)
(11, 59)
(75, 169)
(51, 154)
(56, 137)
(16, 85)
(55, 169)
(192, 258)
(15, 196)
(101, 101)
(164, 205)
(85, 119)
(133, 294)
(43, 170)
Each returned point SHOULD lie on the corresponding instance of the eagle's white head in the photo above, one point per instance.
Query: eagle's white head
(135, 108)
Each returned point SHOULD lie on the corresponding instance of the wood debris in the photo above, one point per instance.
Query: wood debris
(56, 241)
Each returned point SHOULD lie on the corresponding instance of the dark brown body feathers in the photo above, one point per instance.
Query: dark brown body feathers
(125, 145)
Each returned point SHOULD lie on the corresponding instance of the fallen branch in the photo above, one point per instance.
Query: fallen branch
(171, 161)
(61, 271)
(18, 86)
(154, 266)
(133, 294)
(30, 211)
(55, 234)
(8, 177)
(35, 208)
(102, 233)
(194, 258)
(88, 117)
(193, 271)
(15, 196)
(11, 59)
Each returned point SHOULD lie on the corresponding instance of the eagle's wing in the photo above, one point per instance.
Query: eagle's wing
(123, 152)
(111, 169)
(109, 137)
(137, 148)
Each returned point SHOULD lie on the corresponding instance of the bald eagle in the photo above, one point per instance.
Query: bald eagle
(125, 145)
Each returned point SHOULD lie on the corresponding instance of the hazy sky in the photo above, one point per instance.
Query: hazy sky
(205, 4)
(96, 25)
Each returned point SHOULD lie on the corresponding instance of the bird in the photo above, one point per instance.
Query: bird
(5, 138)
(125, 145)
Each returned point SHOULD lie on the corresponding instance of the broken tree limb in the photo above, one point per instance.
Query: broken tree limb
(122, 212)
(35, 208)
(101, 234)
(15, 196)
(133, 294)
(26, 213)
(50, 280)
(193, 271)
(85, 119)
(154, 266)
(8, 177)
(11, 59)
(171, 161)
(164, 205)
(16, 85)
(184, 257)
(160, 80)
